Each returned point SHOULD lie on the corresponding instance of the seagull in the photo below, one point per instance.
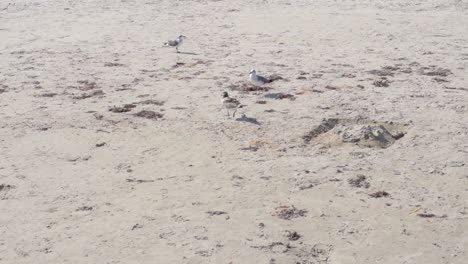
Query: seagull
(230, 104)
(257, 80)
(175, 43)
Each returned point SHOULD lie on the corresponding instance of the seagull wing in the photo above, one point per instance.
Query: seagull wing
(262, 79)
(171, 43)
(231, 102)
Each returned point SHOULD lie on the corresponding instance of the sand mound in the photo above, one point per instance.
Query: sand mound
(363, 133)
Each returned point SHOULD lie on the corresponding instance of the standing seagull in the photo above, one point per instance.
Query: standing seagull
(230, 104)
(175, 43)
(257, 80)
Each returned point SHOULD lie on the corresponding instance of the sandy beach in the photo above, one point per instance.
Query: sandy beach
(116, 149)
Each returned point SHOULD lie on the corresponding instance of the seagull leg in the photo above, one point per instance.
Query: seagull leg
(234, 114)
(227, 110)
(177, 49)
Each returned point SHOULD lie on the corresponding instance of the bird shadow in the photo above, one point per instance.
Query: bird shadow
(187, 53)
(247, 119)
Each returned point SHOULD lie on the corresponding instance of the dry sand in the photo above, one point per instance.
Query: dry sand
(365, 163)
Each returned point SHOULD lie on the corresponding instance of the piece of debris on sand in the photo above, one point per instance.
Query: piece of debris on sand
(137, 226)
(379, 194)
(88, 95)
(122, 109)
(384, 71)
(213, 213)
(98, 116)
(247, 87)
(429, 215)
(381, 83)
(439, 80)
(138, 180)
(85, 208)
(433, 71)
(275, 247)
(280, 96)
(5, 187)
(149, 114)
(292, 235)
(151, 102)
(48, 95)
(289, 212)
(360, 181)
(85, 85)
(3, 88)
(113, 64)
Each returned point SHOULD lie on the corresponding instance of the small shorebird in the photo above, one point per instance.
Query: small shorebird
(257, 79)
(176, 43)
(230, 104)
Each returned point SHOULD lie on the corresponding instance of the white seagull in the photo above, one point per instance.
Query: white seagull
(231, 104)
(176, 43)
(257, 80)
